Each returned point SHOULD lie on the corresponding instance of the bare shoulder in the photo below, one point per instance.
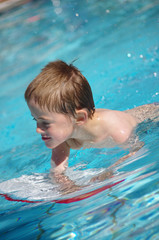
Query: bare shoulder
(119, 125)
(113, 117)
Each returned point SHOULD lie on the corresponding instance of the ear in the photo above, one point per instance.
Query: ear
(81, 116)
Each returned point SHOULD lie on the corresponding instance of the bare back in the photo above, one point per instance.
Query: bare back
(144, 112)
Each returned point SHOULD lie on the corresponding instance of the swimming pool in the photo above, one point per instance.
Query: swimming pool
(116, 44)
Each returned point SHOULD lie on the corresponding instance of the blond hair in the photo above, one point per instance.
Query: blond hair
(61, 88)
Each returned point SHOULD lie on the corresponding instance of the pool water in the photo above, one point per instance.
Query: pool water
(117, 49)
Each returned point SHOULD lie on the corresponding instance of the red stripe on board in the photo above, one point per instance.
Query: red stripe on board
(67, 200)
(87, 195)
(16, 200)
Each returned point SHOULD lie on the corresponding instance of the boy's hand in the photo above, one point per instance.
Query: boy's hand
(101, 177)
(69, 188)
(59, 158)
(66, 185)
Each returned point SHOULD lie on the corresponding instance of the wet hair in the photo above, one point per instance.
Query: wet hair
(61, 88)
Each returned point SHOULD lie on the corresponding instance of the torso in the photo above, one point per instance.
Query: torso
(104, 141)
(133, 116)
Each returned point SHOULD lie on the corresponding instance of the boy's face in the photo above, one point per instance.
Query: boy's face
(55, 128)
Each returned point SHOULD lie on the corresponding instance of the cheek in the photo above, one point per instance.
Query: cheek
(64, 132)
(60, 132)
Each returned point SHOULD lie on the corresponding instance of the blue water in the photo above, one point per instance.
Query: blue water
(116, 44)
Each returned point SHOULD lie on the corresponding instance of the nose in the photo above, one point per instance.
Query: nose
(39, 129)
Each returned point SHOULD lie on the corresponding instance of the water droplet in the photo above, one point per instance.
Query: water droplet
(107, 11)
(155, 74)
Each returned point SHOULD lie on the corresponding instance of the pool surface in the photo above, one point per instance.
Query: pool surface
(117, 49)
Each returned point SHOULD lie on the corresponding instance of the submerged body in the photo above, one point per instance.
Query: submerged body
(61, 101)
(145, 112)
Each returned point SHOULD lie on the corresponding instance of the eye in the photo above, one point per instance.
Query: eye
(46, 124)
(34, 119)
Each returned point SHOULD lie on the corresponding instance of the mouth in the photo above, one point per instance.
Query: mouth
(44, 138)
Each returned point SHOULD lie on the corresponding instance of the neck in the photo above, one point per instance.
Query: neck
(88, 131)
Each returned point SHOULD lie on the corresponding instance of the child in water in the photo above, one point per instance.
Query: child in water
(61, 102)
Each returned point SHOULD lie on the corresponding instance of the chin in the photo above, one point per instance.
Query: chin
(50, 146)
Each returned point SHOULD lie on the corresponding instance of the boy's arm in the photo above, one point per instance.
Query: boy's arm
(59, 158)
(133, 150)
(109, 172)
(120, 131)
(59, 163)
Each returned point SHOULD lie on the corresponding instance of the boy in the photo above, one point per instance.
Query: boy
(60, 100)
